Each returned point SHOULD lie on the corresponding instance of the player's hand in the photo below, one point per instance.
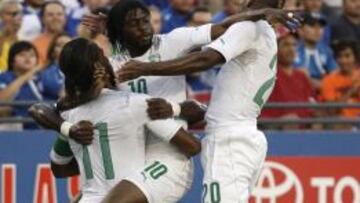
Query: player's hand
(159, 109)
(82, 132)
(130, 70)
(95, 23)
(291, 19)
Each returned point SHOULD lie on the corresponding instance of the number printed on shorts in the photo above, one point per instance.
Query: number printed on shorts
(214, 192)
(156, 170)
(138, 86)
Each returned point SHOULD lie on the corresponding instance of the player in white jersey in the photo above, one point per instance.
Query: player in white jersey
(118, 148)
(233, 150)
(129, 31)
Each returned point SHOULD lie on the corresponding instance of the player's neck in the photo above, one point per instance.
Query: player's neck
(136, 51)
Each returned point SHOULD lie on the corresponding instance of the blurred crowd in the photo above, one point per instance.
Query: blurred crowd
(319, 63)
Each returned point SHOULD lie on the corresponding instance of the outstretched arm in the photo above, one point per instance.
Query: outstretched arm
(191, 63)
(48, 117)
(288, 18)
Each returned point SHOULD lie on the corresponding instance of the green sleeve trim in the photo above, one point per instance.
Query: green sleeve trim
(62, 148)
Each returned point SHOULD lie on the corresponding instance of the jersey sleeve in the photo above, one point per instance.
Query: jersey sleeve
(182, 40)
(61, 153)
(236, 40)
(3, 81)
(163, 129)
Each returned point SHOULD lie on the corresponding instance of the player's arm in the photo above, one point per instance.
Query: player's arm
(172, 132)
(287, 18)
(191, 111)
(48, 117)
(235, 41)
(63, 163)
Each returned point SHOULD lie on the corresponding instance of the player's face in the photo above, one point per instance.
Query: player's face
(138, 30)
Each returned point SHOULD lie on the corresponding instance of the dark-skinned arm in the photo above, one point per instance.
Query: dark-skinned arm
(186, 143)
(272, 15)
(48, 117)
(190, 63)
(191, 111)
(66, 170)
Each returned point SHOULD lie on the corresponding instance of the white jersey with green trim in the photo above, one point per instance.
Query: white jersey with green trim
(173, 88)
(118, 148)
(247, 78)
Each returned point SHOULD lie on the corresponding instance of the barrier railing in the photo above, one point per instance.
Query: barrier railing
(267, 121)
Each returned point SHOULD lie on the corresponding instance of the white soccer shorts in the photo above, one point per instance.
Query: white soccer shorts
(232, 160)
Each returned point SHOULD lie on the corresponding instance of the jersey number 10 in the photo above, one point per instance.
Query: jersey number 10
(105, 153)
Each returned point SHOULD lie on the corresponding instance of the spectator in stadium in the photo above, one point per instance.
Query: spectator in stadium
(347, 26)
(161, 4)
(75, 15)
(343, 85)
(315, 7)
(176, 14)
(292, 85)
(31, 25)
(155, 18)
(200, 84)
(51, 76)
(317, 58)
(230, 7)
(21, 81)
(10, 16)
(53, 18)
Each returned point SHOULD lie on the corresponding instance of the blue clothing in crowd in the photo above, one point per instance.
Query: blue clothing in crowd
(161, 4)
(34, 90)
(219, 17)
(53, 80)
(173, 19)
(318, 61)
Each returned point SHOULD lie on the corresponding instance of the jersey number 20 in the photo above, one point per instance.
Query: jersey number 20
(105, 152)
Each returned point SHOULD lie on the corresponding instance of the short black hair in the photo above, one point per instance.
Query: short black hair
(16, 48)
(44, 5)
(116, 19)
(341, 45)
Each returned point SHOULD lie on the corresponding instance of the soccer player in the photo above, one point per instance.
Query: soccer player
(130, 32)
(234, 149)
(118, 148)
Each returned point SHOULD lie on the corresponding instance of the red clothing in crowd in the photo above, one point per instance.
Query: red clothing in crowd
(290, 88)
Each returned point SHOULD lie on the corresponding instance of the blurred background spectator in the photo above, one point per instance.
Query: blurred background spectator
(292, 85)
(31, 26)
(21, 81)
(230, 7)
(155, 18)
(11, 18)
(347, 26)
(176, 14)
(52, 76)
(343, 85)
(316, 57)
(75, 15)
(161, 4)
(53, 19)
